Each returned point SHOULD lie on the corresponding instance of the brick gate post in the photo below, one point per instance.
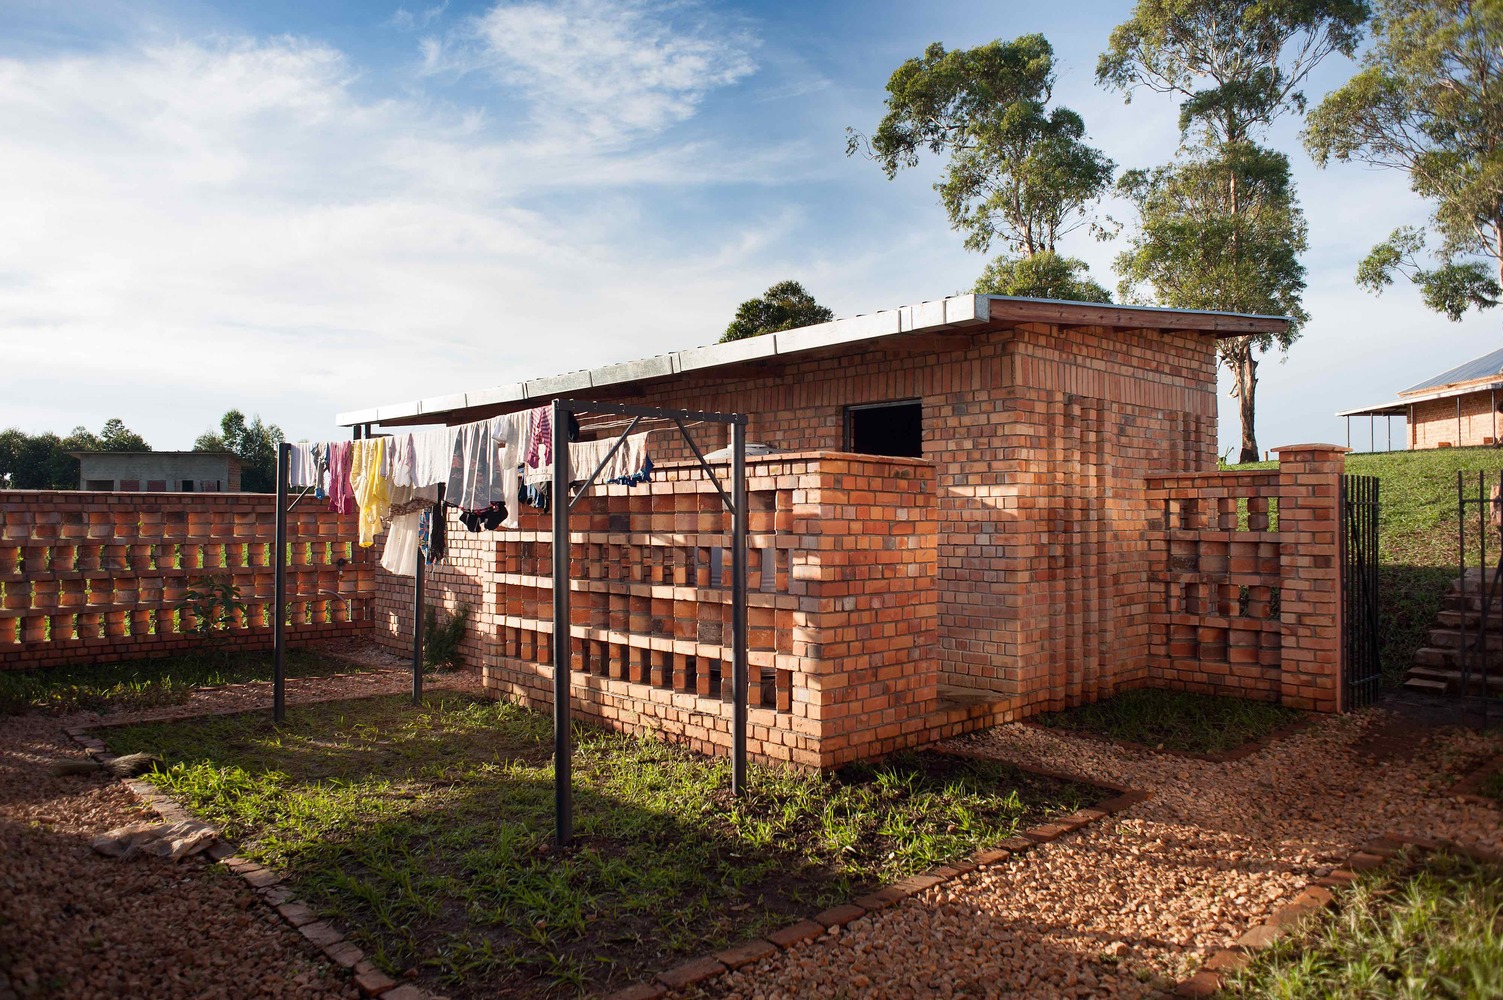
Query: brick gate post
(1310, 575)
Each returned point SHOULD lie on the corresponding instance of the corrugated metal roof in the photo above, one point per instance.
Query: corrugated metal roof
(1488, 364)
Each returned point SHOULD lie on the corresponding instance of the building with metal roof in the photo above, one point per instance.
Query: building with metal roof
(1457, 408)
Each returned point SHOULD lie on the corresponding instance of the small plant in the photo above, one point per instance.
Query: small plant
(214, 604)
(442, 640)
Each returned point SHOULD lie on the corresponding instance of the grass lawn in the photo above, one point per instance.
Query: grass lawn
(1493, 787)
(1434, 931)
(1417, 538)
(428, 832)
(141, 684)
(1175, 720)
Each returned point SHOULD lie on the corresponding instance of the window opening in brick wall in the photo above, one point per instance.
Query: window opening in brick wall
(886, 429)
(100, 484)
(130, 485)
(187, 486)
(156, 486)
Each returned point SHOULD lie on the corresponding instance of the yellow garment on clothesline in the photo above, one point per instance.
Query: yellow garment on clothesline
(372, 489)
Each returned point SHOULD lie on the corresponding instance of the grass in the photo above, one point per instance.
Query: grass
(1175, 720)
(429, 832)
(1433, 931)
(1492, 787)
(139, 684)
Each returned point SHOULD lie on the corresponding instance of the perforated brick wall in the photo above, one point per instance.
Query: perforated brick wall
(101, 577)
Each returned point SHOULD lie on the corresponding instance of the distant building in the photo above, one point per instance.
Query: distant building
(158, 471)
(1455, 409)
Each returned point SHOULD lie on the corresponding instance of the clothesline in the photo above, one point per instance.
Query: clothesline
(487, 469)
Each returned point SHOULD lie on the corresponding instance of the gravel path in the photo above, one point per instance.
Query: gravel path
(1131, 904)
(78, 925)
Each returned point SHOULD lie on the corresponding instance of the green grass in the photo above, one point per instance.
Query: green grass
(1492, 787)
(428, 831)
(139, 684)
(1175, 720)
(1435, 931)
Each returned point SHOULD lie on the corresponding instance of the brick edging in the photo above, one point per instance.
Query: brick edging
(1241, 752)
(1312, 899)
(718, 963)
(266, 883)
(1466, 788)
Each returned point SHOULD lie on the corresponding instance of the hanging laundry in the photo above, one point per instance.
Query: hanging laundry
(540, 438)
(400, 458)
(372, 490)
(488, 519)
(341, 491)
(433, 456)
(302, 467)
(628, 465)
(400, 556)
(433, 533)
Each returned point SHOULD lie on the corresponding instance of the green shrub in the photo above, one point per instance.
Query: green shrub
(442, 639)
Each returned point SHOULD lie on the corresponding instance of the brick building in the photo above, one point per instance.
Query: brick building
(957, 529)
(1457, 408)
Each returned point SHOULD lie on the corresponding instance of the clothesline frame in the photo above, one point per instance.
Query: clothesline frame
(735, 503)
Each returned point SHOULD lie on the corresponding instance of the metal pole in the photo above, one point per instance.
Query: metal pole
(563, 790)
(279, 601)
(1372, 432)
(1458, 421)
(738, 608)
(417, 628)
(1348, 433)
(1390, 431)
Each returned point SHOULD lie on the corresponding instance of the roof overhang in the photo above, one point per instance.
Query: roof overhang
(1402, 404)
(959, 313)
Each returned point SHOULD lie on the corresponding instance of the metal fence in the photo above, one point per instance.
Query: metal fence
(1361, 665)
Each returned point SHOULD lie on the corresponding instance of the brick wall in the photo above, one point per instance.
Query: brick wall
(1435, 422)
(841, 606)
(99, 577)
(1248, 581)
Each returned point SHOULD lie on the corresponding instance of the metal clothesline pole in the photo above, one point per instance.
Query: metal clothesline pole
(417, 627)
(563, 764)
(279, 600)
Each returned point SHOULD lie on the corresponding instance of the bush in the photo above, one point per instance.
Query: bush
(442, 640)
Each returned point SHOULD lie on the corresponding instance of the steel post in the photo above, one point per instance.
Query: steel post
(279, 600)
(563, 778)
(738, 607)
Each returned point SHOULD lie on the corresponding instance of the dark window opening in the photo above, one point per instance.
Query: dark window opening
(156, 486)
(187, 486)
(130, 485)
(103, 485)
(886, 429)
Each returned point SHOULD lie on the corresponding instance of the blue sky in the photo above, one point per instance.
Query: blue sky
(296, 208)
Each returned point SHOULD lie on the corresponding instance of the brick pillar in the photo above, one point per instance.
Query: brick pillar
(1310, 575)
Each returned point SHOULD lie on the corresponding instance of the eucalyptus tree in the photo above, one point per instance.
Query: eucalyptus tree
(1237, 66)
(1019, 172)
(1428, 100)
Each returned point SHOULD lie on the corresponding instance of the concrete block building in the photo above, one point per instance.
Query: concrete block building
(158, 471)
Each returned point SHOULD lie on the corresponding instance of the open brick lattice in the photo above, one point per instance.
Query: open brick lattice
(103, 577)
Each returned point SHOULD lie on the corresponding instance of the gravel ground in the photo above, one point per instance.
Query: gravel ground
(1132, 904)
(78, 925)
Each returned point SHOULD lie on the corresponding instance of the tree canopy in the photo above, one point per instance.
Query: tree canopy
(43, 462)
(1044, 275)
(1238, 64)
(254, 443)
(1428, 100)
(784, 306)
(1019, 172)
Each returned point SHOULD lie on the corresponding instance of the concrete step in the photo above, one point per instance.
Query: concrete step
(1450, 680)
(1455, 638)
(1453, 618)
(1426, 686)
(1432, 656)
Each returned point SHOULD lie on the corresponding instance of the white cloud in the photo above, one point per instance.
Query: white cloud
(604, 70)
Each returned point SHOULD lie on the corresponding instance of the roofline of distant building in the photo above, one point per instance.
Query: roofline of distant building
(1402, 404)
(956, 312)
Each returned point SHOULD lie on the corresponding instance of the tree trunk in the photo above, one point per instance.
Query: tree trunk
(1246, 371)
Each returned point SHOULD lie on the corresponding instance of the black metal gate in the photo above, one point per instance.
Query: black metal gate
(1476, 605)
(1361, 666)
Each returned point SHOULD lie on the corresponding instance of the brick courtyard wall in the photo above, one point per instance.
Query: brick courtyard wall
(99, 577)
(1248, 581)
(1435, 422)
(841, 617)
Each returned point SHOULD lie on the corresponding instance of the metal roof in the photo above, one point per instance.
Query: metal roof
(956, 311)
(1488, 364)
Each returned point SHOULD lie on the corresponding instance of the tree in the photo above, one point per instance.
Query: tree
(1221, 232)
(1044, 275)
(1018, 172)
(1428, 100)
(784, 306)
(255, 444)
(115, 436)
(1238, 65)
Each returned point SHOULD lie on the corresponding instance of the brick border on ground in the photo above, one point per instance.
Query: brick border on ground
(266, 883)
(1319, 895)
(718, 963)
